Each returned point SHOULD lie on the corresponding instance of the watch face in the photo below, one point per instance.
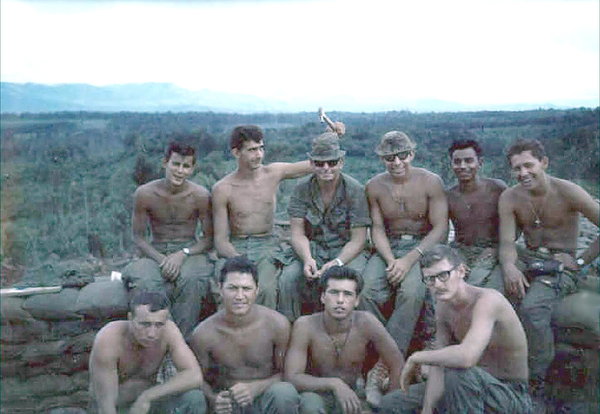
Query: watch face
(580, 262)
(186, 250)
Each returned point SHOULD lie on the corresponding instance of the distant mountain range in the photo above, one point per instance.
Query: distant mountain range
(164, 97)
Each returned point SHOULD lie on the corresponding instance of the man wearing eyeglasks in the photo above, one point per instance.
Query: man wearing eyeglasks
(479, 363)
(329, 218)
(473, 209)
(410, 213)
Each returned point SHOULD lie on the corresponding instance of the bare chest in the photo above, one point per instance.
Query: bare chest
(409, 201)
(141, 364)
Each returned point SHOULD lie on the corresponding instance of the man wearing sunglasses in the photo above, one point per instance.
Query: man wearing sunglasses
(473, 210)
(479, 363)
(410, 213)
(329, 218)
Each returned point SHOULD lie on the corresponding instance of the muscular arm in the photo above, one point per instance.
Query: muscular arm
(589, 207)
(188, 374)
(438, 216)
(301, 246)
(139, 222)
(287, 171)
(378, 234)
(104, 377)
(199, 345)
(220, 201)
(514, 279)
(387, 349)
(434, 389)
(204, 206)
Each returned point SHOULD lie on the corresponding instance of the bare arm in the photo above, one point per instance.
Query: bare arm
(287, 170)
(590, 208)
(301, 246)
(378, 234)
(199, 346)
(139, 222)
(387, 349)
(220, 201)
(188, 374)
(358, 236)
(204, 206)
(438, 217)
(514, 279)
(104, 377)
(434, 389)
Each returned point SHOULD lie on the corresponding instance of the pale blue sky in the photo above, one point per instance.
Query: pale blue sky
(475, 52)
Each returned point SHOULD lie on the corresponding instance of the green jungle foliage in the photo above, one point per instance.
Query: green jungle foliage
(68, 178)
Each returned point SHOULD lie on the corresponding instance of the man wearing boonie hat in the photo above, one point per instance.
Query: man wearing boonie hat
(329, 218)
(410, 214)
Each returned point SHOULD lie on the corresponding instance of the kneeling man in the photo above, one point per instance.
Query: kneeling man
(328, 349)
(242, 348)
(127, 357)
(480, 362)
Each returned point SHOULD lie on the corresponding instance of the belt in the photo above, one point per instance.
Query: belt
(407, 237)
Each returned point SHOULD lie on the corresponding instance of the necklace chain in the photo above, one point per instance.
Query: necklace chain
(338, 349)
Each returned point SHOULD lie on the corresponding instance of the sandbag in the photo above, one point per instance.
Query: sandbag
(579, 310)
(53, 306)
(12, 311)
(102, 300)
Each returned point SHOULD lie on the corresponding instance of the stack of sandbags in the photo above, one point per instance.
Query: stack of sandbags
(46, 342)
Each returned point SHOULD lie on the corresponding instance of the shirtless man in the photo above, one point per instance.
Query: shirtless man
(127, 356)
(480, 361)
(175, 258)
(473, 210)
(328, 349)
(242, 348)
(410, 214)
(328, 219)
(244, 205)
(547, 210)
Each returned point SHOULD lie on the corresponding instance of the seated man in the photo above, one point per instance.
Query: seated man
(480, 361)
(127, 357)
(176, 259)
(548, 210)
(410, 213)
(242, 348)
(473, 210)
(329, 219)
(328, 349)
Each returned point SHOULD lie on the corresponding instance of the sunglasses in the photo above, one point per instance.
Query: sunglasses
(331, 163)
(442, 277)
(401, 156)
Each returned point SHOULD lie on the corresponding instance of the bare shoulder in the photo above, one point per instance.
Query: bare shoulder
(273, 318)
(426, 175)
(375, 183)
(147, 189)
(367, 323)
(307, 324)
(495, 184)
(109, 339)
(199, 190)
(205, 331)
(491, 299)
(223, 186)
(568, 189)
(511, 195)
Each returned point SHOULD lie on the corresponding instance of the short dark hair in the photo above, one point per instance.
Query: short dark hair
(244, 133)
(181, 148)
(155, 299)
(460, 144)
(341, 273)
(239, 264)
(440, 252)
(535, 146)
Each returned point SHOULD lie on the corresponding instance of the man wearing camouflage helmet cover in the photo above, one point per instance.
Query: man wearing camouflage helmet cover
(329, 218)
(410, 214)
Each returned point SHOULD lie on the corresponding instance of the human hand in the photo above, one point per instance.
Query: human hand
(141, 405)
(223, 403)
(171, 265)
(515, 282)
(338, 127)
(409, 370)
(242, 393)
(486, 254)
(397, 270)
(346, 397)
(310, 269)
(325, 267)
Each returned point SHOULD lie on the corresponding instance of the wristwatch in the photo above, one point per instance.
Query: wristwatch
(338, 261)
(580, 262)
(186, 251)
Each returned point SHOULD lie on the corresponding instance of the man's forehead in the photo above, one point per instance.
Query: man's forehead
(521, 157)
(437, 267)
(252, 144)
(143, 311)
(464, 153)
(177, 157)
(341, 284)
(239, 278)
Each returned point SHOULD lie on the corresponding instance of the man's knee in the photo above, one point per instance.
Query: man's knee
(192, 402)
(281, 397)
(312, 403)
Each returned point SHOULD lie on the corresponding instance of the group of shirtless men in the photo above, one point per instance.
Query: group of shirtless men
(345, 306)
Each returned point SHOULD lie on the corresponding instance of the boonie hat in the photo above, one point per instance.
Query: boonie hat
(394, 142)
(326, 147)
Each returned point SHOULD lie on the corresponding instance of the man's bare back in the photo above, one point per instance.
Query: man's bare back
(173, 217)
(505, 355)
(475, 214)
(404, 206)
(246, 353)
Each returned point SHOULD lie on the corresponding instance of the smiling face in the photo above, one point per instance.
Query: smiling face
(327, 171)
(148, 327)
(239, 291)
(528, 170)
(398, 164)
(339, 298)
(250, 155)
(178, 168)
(465, 164)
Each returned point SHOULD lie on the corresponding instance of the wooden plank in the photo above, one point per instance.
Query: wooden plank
(6, 293)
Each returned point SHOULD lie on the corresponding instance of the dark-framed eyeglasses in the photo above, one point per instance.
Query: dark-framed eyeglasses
(401, 156)
(442, 277)
(331, 163)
